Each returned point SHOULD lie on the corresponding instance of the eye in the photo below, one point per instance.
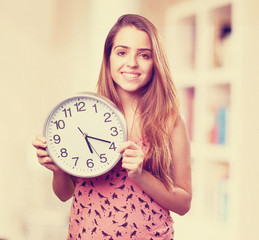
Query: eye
(121, 53)
(145, 55)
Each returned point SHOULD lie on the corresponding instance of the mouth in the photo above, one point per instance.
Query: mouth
(130, 75)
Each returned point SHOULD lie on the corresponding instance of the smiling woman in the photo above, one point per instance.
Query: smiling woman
(134, 199)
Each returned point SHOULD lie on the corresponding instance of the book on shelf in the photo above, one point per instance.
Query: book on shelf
(218, 130)
(217, 192)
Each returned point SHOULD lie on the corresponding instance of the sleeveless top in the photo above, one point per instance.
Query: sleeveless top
(113, 207)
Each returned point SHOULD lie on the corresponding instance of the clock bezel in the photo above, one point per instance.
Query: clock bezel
(97, 97)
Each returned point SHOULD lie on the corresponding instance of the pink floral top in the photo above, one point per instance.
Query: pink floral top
(113, 207)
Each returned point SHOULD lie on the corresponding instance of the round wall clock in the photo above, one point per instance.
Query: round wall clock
(83, 133)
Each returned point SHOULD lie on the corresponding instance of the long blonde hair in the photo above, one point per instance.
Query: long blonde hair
(159, 105)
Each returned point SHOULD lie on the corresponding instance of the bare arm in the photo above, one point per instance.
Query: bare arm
(62, 184)
(178, 198)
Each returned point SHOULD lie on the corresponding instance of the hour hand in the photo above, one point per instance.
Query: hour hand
(88, 144)
(86, 139)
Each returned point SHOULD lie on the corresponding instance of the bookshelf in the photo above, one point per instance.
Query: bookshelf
(200, 37)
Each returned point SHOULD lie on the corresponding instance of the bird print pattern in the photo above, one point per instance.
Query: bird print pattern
(112, 207)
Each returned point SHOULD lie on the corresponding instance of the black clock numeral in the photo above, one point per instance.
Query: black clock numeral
(112, 146)
(95, 108)
(63, 152)
(114, 131)
(90, 163)
(103, 158)
(67, 112)
(56, 139)
(108, 116)
(80, 107)
(76, 160)
(60, 124)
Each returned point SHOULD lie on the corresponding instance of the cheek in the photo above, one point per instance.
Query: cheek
(149, 70)
(114, 66)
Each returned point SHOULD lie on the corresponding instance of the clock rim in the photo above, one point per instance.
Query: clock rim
(98, 97)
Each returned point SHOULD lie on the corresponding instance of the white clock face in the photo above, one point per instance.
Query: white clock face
(83, 133)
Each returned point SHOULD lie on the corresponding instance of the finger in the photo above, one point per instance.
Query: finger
(133, 160)
(45, 160)
(131, 166)
(42, 153)
(39, 142)
(128, 145)
(128, 166)
(41, 138)
(130, 153)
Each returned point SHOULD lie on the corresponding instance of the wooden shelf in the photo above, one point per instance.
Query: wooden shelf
(200, 41)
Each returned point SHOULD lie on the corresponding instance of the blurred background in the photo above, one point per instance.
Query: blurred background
(51, 49)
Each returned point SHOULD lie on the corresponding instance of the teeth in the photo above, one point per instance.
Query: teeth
(130, 75)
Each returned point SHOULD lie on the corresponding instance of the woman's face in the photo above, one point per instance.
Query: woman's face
(131, 61)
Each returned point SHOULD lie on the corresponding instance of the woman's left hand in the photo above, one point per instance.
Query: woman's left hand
(132, 159)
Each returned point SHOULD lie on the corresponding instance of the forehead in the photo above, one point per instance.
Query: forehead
(132, 37)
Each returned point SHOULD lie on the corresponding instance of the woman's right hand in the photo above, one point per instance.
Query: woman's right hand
(40, 144)
(63, 184)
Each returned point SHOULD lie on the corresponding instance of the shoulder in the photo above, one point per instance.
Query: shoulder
(180, 122)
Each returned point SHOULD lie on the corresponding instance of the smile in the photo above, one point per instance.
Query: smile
(130, 75)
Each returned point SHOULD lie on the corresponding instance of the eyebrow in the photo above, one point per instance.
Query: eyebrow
(139, 49)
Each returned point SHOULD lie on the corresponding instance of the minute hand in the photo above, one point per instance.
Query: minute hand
(99, 139)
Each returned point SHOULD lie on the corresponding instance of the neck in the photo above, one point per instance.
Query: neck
(129, 103)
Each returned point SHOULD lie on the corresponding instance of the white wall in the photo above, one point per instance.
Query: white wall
(48, 50)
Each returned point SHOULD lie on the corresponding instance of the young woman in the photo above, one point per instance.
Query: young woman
(134, 199)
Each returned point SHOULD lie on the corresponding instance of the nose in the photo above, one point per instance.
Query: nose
(132, 61)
